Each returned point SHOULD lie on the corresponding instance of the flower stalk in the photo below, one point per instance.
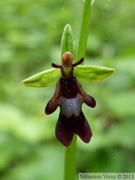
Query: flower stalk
(84, 29)
(70, 160)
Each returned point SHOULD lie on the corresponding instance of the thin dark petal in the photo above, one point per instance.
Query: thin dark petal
(56, 66)
(78, 62)
(62, 131)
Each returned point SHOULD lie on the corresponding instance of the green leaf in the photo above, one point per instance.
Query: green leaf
(43, 79)
(86, 73)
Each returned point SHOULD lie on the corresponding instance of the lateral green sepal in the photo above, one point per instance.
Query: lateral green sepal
(43, 79)
(85, 73)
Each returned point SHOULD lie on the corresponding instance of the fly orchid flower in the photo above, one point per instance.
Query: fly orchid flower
(69, 96)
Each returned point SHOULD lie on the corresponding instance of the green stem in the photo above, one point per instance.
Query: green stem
(84, 30)
(70, 160)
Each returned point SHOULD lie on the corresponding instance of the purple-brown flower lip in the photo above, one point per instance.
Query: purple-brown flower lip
(70, 96)
(67, 127)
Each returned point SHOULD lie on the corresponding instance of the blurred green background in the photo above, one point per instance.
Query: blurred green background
(30, 35)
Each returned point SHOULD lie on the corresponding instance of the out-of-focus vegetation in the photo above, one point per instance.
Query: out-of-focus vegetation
(30, 35)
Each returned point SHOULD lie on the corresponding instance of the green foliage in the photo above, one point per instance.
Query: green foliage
(30, 37)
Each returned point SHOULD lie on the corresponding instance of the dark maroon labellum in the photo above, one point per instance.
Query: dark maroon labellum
(69, 96)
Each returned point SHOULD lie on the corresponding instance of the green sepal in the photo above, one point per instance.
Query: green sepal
(85, 73)
(43, 79)
(67, 40)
